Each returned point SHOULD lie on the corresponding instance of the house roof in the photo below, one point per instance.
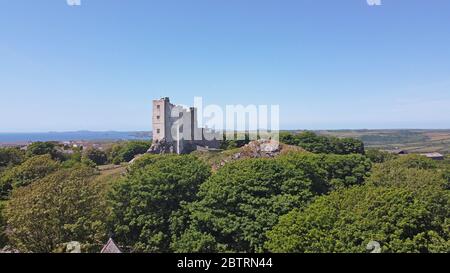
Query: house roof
(432, 155)
(110, 247)
(397, 151)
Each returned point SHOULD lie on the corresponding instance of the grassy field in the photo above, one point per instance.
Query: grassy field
(414, 141)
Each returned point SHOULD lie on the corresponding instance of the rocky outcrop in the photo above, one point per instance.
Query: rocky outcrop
(258, 149)
(161, 147)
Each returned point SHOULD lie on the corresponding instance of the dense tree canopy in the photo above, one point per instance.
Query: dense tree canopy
(10, 157)
(245, 198)
(323, 144)
(145, 200)
(234, 142)
(377, 156)
(28, 172)
(345, 170)
(44, 148)
(125, 152)
(3, 238)
(240, 202)
(62, 207)
(405, 177)
(399, 219)
(404, 206)
(339, 170)
(412, 161)
(97, 156)
(335, 198)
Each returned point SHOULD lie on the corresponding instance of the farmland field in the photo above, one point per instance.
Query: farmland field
(413, 141)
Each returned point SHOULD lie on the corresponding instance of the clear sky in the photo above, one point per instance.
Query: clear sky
(329, 64)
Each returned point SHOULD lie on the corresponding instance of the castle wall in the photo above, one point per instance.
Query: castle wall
(178, 126)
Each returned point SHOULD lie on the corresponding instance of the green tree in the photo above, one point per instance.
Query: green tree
(43, 148)
(125, 152)
(144, 161)
(288, 138)
(234, 142)
(446, 176)
(62, 207)
(401, 220)
(323, 144)
(243, 200)
(412, 161)
(3, 238)
(412, 178)
(28, 172)
(345, 170)
(345, 146)
(145, 200)
(377, 156)
(97, 156)
(336, 171)
(10, 157)
(314, 143)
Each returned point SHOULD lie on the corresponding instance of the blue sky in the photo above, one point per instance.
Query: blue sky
(329, 64)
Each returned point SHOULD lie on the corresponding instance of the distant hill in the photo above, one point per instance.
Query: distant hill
(20, 138)
(415, 140)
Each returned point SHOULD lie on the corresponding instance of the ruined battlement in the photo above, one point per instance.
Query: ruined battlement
(175, 129)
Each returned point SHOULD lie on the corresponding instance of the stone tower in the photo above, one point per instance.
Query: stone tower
(161, 119)
(175, 129)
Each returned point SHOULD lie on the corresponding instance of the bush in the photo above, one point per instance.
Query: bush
(10, 157)
(337, 171)
(377, 156)
(3, 239)
(97, 156)
(414, 161)
(28, 172)
(144, 161)
(44, 148)
(62, 207)
(126, 152)
(345, 170)
(233, 143)
(411, 178)
(322, 144)
(147, 198)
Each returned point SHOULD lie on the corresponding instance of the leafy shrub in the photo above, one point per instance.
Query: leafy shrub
(28, 172)
(125, 152)
(62, 207)
(377, 156)
(323, 144)
(97, 156)
(44, 148)
(10, 157)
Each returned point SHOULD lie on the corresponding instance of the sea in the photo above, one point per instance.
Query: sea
(11, 138)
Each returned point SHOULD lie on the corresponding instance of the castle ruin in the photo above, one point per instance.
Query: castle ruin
(175, 130)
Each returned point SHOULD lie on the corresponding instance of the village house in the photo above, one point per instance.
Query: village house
(434, 156)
